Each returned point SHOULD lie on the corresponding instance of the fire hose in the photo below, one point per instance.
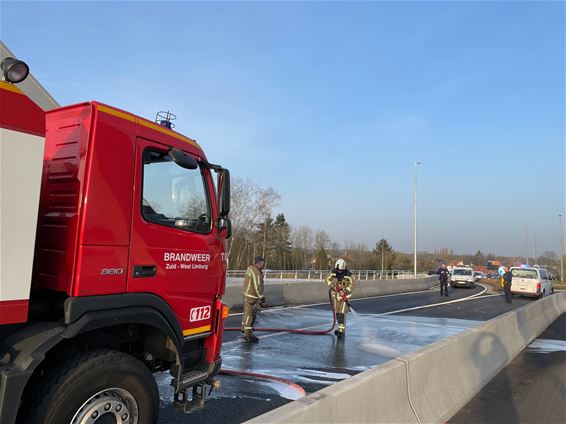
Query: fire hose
(301, 331)
(293, 331)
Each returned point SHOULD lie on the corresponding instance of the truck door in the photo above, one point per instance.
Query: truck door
(174, 252)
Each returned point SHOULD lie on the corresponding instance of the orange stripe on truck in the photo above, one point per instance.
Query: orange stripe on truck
(197, 330)
(148, 124)
(10, 87)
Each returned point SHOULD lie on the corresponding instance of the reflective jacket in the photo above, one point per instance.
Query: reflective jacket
(253, 283)
(338, 282)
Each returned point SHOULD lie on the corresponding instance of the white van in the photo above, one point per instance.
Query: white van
(463, 277)
(531, 281)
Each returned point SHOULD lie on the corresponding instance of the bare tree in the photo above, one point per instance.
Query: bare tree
(194, 207)
(250, 205)
(302, 240)
(322, 244)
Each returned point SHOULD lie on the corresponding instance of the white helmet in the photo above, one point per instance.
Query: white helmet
(340, 264)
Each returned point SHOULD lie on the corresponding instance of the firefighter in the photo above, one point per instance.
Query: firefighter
(341, 283)
(253, 298)
(443, 277)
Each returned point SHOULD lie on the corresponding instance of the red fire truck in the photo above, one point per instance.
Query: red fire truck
(112, 262)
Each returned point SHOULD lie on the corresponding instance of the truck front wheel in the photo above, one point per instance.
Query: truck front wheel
(96, 387)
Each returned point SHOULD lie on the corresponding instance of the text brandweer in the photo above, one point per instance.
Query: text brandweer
(186, 257)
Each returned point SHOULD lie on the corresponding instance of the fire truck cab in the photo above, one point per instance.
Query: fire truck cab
(113, 263)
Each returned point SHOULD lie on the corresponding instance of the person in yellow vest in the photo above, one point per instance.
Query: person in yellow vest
(341, 283)
(253, 297)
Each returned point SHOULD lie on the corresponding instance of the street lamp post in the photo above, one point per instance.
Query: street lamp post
(417, 163)
(527, 243)
(382, 253)
(561, 248)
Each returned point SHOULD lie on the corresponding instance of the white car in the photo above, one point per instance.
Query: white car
(478, 275)
(463, 277)
(531, 281)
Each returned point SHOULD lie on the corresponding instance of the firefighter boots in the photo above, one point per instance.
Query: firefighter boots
(249, 337)
(341, 331)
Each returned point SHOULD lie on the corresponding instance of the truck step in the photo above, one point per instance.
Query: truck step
(182, 401)
(188, 379)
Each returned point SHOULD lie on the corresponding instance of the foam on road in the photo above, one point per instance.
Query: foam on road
(314, 362)
(381, 329)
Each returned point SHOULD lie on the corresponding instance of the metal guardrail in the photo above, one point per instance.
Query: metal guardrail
(361, 274)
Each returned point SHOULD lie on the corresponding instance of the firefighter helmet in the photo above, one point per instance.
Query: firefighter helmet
(340, 264)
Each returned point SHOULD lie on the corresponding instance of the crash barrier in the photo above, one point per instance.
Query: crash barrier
(431, 384)
(312, 274)
(296, 292)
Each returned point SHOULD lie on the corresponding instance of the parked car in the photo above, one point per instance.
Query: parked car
(478, 275)
(463, 277)
(531, 281)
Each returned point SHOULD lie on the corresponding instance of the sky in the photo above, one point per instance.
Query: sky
(331, 104)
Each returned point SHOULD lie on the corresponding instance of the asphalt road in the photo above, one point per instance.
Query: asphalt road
(381, 328)
(531, 389)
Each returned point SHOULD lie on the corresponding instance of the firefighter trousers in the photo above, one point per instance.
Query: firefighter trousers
(251, 308)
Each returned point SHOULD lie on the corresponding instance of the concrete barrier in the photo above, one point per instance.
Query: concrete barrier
(296, 292)
(431, 384)
(380, 392)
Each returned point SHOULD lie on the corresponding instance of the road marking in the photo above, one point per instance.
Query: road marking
(463, 299)
(279, 333)
(276, 308)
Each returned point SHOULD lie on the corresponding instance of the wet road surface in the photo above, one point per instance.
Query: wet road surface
(376, 332)
(531, 389)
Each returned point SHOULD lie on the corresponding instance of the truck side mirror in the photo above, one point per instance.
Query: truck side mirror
(224, 193)
(225, 226)
(182, 159)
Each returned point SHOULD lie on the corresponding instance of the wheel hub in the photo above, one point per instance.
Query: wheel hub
(110, 406)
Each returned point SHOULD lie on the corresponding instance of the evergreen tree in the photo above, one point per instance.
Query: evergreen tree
(282, 242)
(479, 259)
(383, 255)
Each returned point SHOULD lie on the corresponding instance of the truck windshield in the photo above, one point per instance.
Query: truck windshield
(524, 273)
(462, 272)
(174, 196)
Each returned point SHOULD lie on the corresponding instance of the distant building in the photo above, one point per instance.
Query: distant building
(493, 265)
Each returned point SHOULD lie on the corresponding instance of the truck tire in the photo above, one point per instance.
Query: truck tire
(98, 386)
